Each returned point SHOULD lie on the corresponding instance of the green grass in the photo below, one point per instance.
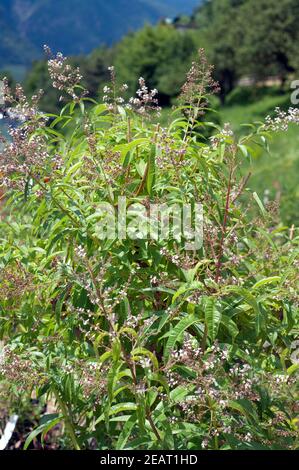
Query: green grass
(275, 173)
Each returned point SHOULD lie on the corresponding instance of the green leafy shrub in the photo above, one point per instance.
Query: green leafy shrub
(141, 342)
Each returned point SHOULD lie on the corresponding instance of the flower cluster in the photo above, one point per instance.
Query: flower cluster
(64, 77)
(14, 284)
(24, 157)
(198, 85)
(282, 119)
(112, 94)
(146, 100)
(169, 154)
(26, 153)
(92, 379)
(20, 370)
(180, 258)
(112, 167)
(18, 108)
(224, 136)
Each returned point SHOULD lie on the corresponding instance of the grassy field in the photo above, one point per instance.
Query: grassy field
(274, 174)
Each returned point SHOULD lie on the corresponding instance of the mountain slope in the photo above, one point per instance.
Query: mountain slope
(74, 26)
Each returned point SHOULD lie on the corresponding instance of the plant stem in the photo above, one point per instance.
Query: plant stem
(225, 219)
(204, 338)
(68, 421)
(153, 426)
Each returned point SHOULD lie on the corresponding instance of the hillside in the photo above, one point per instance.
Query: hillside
(73, 26)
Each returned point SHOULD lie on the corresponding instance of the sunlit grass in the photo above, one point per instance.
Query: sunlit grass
(274, 173)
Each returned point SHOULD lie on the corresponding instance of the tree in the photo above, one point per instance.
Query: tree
(270, 38)
(160, 54)
(221, 33)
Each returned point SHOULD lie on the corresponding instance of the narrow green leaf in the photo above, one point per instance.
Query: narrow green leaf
(177, 332)
(212, 317)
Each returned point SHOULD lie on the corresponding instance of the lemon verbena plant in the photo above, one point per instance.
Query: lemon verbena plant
(142, 341)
